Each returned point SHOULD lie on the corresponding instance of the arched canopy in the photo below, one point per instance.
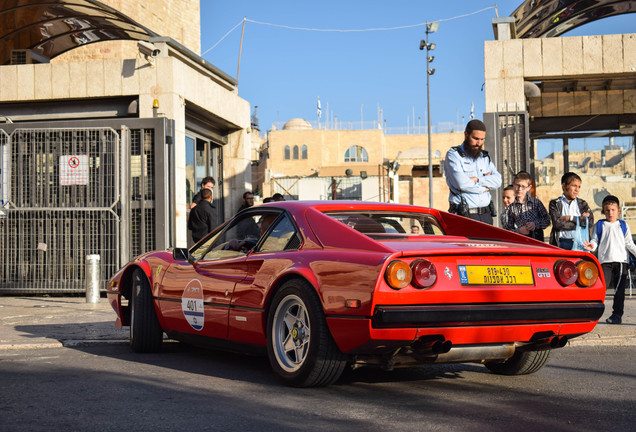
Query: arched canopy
(549, 18)
(52, 27)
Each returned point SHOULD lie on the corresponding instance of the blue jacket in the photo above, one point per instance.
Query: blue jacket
(459, 167)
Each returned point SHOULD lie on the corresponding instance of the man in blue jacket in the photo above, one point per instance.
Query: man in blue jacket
(471, 175)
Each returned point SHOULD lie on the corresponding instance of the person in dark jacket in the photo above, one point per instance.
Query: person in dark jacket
(206, 183)
(202, 218)
(565, 210)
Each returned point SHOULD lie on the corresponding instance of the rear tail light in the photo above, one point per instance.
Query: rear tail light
(583, 273)
(565, 272)
(424, 273)
(587, 273)
(398, 275)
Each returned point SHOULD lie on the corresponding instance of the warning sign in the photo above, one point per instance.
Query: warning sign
(73, 170)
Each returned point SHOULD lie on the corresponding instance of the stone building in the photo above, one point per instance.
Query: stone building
(565, 89)
(303, 163)
(163, 117)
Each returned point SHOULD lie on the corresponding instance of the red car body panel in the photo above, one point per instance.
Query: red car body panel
(343, 265)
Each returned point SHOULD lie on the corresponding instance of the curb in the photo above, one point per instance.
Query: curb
(605, 341)
(29, 346)
(59, 344)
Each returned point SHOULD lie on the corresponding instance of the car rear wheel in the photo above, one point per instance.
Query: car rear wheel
(300, 348)
(146, 335)
(521, 363)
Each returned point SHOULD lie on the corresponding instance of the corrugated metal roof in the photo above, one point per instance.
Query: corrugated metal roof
(51, 27)
(549, 18)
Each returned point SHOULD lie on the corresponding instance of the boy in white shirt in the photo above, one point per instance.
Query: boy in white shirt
(613, 239)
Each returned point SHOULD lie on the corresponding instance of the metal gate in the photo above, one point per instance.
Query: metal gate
(509, 146)
(72, 192)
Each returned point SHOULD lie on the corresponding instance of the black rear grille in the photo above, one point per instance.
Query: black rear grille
(485, 314)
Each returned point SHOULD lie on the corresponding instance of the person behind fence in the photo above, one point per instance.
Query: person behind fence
(471, 175)
(206, 183)
(508, 197)
(614, 241)
(526, 215)
(202, 219)
(565, 210)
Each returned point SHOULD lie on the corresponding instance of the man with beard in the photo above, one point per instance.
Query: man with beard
(471, 175)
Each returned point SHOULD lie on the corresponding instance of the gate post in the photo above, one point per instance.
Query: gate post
(92, 278)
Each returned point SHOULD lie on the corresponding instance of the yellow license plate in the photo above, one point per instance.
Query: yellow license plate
(495, 275)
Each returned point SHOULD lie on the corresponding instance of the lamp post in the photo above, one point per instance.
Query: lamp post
(430, 28)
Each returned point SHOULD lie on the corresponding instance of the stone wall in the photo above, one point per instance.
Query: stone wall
(178, 19)
(507, 63)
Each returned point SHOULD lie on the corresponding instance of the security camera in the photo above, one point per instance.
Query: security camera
(156, 52)
(147, 49)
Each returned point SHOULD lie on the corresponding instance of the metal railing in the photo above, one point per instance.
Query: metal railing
(442, 127)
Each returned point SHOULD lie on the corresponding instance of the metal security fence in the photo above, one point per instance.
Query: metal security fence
(508, 143)
(69, 192)
(45, 250)
(142, 191)
(62, 189)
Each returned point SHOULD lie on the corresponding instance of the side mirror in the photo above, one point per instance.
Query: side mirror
(181, 254)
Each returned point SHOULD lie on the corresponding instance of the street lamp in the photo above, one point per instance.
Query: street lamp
(430, 28)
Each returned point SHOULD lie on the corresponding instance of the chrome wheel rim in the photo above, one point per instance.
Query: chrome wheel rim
(291, 333)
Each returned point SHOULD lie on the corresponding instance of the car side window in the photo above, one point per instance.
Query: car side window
(279, 237)
(238, 238)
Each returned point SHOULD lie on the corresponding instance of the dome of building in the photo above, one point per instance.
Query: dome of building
(297, 123)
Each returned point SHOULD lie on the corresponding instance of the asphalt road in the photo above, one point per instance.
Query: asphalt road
(108, 388)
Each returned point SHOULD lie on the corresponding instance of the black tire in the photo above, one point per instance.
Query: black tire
(521, 363)
(300, 348)
(146, 335)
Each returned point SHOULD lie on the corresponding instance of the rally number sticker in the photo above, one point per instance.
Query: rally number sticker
(192, 304)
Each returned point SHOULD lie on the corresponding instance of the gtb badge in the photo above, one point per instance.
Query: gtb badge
(543, 272)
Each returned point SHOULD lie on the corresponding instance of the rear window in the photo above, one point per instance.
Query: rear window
(383, 223)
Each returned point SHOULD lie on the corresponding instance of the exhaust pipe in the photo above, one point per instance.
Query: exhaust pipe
(426, 346)
(476, 353)
(546, 344)
(451, 354)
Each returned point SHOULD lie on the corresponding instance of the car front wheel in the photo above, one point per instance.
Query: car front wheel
(300, 348)
(521, 363)
(146, 334)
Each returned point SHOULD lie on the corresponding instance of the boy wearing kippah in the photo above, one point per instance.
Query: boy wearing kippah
(613, 239)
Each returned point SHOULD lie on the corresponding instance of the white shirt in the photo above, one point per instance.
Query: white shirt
(569, 209)
(613, 243)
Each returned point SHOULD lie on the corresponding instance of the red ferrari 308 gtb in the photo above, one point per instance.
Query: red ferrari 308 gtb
(324, 285)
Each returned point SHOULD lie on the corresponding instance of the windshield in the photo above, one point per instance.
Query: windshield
(382, 222)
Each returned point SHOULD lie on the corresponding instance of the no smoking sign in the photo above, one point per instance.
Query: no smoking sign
(73, 170)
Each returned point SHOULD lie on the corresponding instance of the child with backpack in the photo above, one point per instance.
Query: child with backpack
(614, 241)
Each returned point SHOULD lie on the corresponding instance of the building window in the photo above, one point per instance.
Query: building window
(356, 154)
(286, 152)
(295, 152)
(303, 152)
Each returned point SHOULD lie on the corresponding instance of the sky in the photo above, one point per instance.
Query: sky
(283, 71)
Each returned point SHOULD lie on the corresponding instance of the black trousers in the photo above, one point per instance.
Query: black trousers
(486, 217)
(616, 277)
